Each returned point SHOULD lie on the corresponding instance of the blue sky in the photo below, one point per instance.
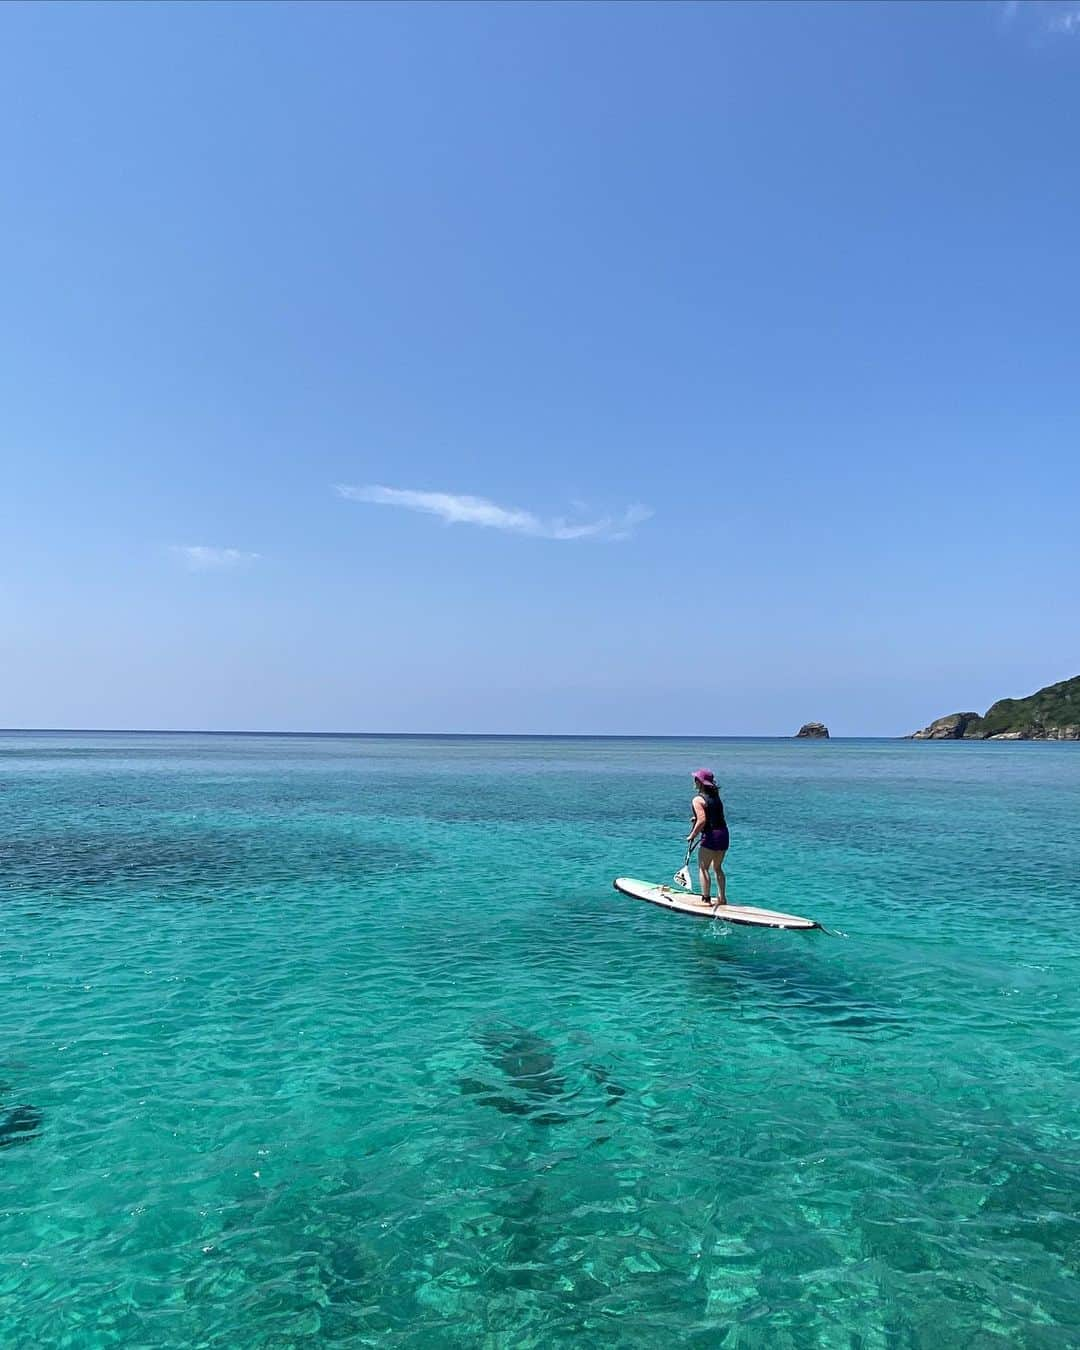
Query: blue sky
(566, 368)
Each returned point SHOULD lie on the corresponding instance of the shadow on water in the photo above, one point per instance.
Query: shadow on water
(532, 1084)
(793, 977)
(18, 1124)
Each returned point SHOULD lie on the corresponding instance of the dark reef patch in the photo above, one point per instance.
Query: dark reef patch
(19, 1125)
(532, 1084)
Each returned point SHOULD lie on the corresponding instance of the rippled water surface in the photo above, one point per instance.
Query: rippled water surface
(312, 1041)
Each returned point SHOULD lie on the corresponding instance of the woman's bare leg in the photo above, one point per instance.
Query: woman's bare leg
(703, 868)
(721, 879)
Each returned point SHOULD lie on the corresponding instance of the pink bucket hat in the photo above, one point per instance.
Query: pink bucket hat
(704, 776)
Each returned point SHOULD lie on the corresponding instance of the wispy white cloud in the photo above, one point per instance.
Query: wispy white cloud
(204, 558)
(1044, 16)
(1065, 19)
(458, 509)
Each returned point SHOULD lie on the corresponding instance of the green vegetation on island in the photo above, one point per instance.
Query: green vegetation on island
(1051, 714)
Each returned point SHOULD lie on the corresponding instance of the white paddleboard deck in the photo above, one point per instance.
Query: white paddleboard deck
(686, 902)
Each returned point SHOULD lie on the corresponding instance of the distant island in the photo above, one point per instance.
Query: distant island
(816, 731)
(1052, 714)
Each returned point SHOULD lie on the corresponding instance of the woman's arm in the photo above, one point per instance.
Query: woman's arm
(699, 819)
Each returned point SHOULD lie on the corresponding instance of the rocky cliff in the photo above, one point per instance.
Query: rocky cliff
(1051, 714)
(951, 728)
(814, 731)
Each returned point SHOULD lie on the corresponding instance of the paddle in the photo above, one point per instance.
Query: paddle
(682, 876)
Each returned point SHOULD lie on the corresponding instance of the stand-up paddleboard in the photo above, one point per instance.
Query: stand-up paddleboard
(669, 897)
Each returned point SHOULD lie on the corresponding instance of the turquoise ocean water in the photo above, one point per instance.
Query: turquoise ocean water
(347, 1041)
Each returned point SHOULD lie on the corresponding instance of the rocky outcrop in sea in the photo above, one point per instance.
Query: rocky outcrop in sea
(816, 731)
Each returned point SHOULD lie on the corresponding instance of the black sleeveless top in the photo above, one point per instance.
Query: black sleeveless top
(714, 812)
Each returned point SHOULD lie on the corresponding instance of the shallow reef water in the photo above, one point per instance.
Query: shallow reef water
(347, 1040)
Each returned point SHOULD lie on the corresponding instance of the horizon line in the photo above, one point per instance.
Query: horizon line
(447, 735)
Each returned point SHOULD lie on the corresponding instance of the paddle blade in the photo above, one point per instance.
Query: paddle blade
(682, 878)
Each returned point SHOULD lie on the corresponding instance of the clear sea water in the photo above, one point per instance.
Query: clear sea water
(348, 1041)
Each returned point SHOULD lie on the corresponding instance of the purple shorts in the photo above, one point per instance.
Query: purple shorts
(719, 841)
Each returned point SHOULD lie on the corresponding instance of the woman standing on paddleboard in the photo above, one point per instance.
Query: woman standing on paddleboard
(710, 824)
